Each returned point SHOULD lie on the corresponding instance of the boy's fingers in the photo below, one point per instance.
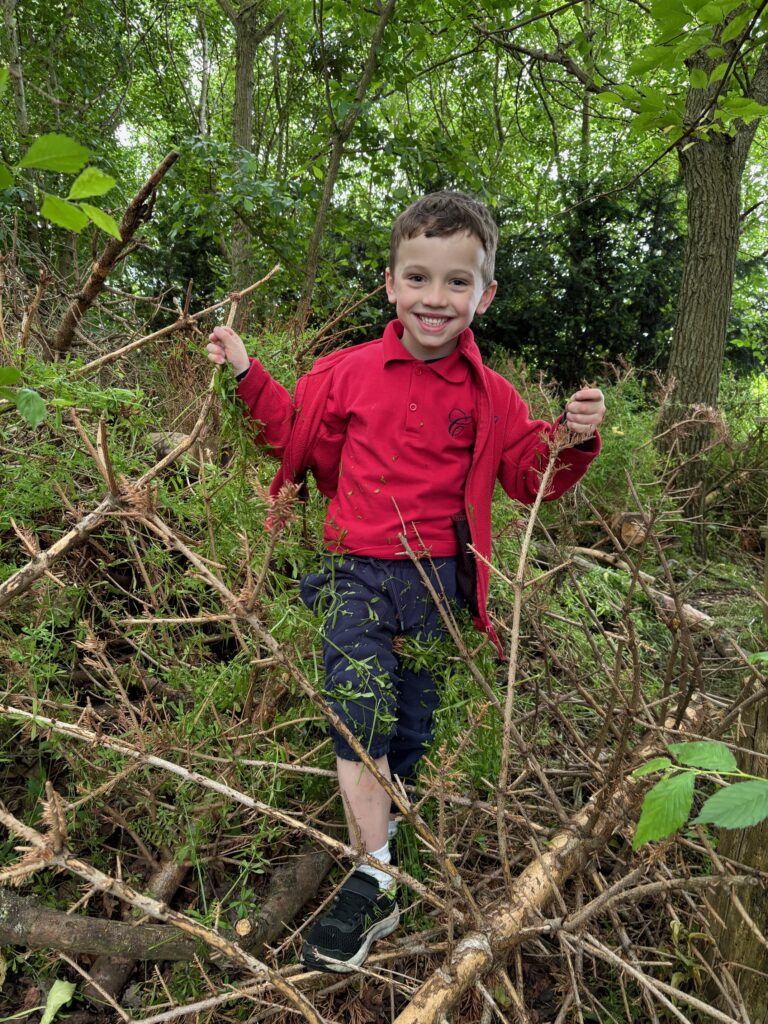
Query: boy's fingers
(588, 395)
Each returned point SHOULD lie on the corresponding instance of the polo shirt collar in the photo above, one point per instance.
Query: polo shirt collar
(453, 368)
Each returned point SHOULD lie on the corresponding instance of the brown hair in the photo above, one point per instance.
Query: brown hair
(447, 213)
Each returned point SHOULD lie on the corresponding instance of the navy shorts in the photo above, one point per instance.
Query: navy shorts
(387, 703)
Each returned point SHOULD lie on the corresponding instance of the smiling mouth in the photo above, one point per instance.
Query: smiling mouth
(432, 321)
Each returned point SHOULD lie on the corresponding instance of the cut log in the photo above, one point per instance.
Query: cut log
(292, 886)
(26, 922)
(111, 973)
(570, 850)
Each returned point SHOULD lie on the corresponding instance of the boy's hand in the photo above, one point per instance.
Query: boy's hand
(224, 346)
(585, 410)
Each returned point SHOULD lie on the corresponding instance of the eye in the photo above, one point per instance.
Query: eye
(416, 278)
(459, 282)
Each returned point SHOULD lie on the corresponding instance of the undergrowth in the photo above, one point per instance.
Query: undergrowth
(206, 694)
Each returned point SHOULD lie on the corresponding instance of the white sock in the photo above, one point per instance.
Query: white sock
(391, 830)
(384, 880)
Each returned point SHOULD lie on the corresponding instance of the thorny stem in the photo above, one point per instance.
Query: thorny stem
(508, 731)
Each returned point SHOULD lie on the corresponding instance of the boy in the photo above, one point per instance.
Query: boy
(406, 435)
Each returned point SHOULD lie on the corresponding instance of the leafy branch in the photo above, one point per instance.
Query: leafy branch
(60, 154)
(667, 805)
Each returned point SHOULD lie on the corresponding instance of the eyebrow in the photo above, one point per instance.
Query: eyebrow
(420, 268)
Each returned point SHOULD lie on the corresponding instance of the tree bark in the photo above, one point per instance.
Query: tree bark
(712, 170)
(16, 74)
(249, 35)
(137, 213)
(339, 135)
(26, 922)
(739, 946)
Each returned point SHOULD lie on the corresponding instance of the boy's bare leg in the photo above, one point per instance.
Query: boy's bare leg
(366, 804)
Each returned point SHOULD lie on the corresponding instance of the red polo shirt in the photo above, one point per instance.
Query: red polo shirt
(402, 432)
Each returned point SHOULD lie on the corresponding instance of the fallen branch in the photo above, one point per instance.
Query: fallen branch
(694, 618)
(26, 922)
(55, 855)
(178, 325)
(109, 973)
(138, 211)
(568, 851)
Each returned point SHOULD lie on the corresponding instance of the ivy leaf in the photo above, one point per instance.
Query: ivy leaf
(91, 182)
(6, 178)
(61, 993)
(65, 214)
(706, 754)
(9, 375)
(665, 809)
(656, 764)
(56, 152)
(102, 220)
(699, 79)
(31, 408)
(737, 806)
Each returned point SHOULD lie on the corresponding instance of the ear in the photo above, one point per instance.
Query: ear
(486, 298)
(390, 285)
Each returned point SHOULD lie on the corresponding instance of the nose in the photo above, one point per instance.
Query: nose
(434, 295)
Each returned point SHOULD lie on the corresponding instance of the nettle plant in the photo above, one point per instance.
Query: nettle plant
(667, 805)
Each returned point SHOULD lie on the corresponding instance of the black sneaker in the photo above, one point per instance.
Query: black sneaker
(361, 912)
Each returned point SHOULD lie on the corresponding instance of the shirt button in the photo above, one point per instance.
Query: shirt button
(419, 373)
(412, 407)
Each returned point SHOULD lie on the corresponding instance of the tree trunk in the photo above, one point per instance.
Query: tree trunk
(739, 946)
(249, 34)
(339, 135)
(14, 62)
(712, 170)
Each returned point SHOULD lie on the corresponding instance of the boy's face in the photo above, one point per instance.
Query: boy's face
(437, 287)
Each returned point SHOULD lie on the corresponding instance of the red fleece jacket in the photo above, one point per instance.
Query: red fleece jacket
(509, 446)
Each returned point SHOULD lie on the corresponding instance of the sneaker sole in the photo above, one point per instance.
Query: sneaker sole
(312, 957)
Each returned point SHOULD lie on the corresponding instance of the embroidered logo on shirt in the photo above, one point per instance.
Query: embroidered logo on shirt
(458, 421)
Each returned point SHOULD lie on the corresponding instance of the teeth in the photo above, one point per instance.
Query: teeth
(433, 321)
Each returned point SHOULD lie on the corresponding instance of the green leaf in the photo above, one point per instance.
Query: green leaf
(65, 214)
(3, 80)
(9, 375)
(612, 98)
(718, 73)
(665, 809)
(6, 178)
(55, 152)
(31, 408)
(61, 993)
(706, 754)
(102, 220)
(758, 658)
(736, 26)
(712, 14)
(656, 764)
(699, 79)
(652, 57)
(737, 806)
(91, 182)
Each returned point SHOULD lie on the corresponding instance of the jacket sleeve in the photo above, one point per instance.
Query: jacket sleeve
(325, 455)
(525, 455)
(269, 406)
